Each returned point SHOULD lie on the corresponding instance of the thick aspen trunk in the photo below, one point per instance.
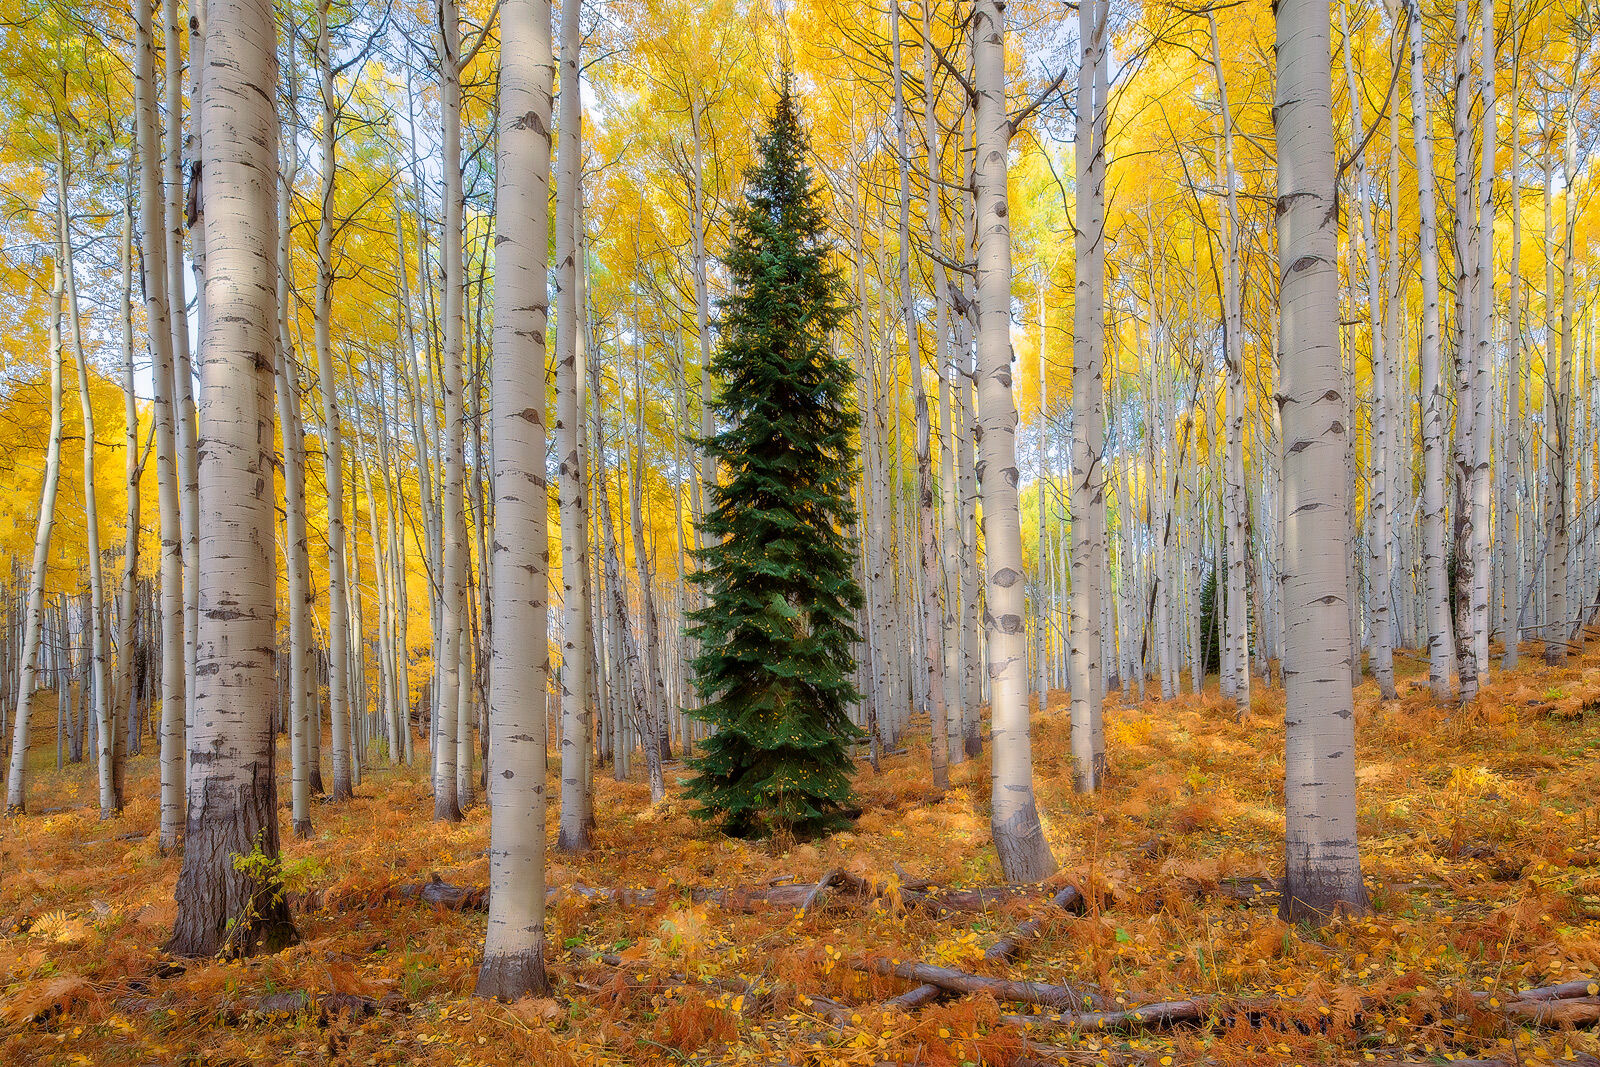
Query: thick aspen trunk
(223, 905)
(1014, 821)
(513, 957)
(1323, 863)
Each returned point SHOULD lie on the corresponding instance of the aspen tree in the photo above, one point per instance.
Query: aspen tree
(1437, 594)
(33, 619)
(1323, 864)
(223, 905)
(1379, 535)
(1089, 579)
(1014, 820)
(513, 955)
(926, 522)
(570, 404)
(332, 432)
(453, 577)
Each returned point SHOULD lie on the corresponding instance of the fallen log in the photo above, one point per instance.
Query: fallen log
(1568, 1003)
(1004, 950)
(1021, 991)
(322, 1007)
(1573, 1011)
(1160, 1013)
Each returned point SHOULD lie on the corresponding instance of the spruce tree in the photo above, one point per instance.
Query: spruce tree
(775, 672)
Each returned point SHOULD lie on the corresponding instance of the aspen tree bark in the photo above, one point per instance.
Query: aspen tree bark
(153, 242)
(1437, 593)
(332, 432)
(33, 620)
(96, 680)
(591, 616)
(453, 576)
(1323, 863)
(1514, 490)
(626, 647)
(1235, 504)
(1088, 402)
(570, 404)
(656, 726)
(1014, 820)
(223, 906)
(965, 417)
(113, 748)
(1463, 328)
(1483, 356)
(1379, 536)
(927, 521)
(513, 955)
(947, 466)
(1559, 611)
(296, 555)
(1041, 620)
(178, 320)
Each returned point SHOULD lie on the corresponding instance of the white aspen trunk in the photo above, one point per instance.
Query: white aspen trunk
(96, 680)
(1014, 821)
(949, 530)
(1041, 550)
(1483, 359)
(1514, 495)
(1437, 593)
(1554, 439)
(232, 789)
(296, 556)
(153, 242)
(178, 321)
(332, 432)
(115, 746)
(634, 679)
(655, 723)
(1463, 329)
(453, 576)
(1558, 595)
(519, 660)
(1089, 578)
(570, 404)
(1235, 505)
(33, 620)
(1379, 537)
(927, 523)
(1323, 863)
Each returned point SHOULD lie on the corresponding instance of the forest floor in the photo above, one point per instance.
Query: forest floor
(1480, 837)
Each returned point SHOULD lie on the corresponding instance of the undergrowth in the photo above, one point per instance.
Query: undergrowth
(1480, 840)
